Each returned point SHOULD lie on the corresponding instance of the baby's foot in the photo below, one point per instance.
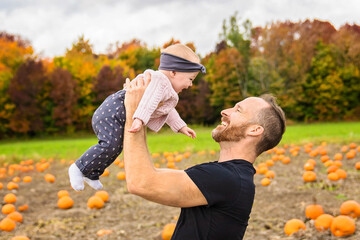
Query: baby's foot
(95, 184)
(76, 178)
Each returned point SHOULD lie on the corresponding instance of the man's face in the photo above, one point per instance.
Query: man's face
(236, 120)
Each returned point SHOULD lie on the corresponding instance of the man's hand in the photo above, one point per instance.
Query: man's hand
(134, 92)
(188, 132)
(136, 125)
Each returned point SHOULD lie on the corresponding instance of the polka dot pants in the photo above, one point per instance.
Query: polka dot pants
(108, 123)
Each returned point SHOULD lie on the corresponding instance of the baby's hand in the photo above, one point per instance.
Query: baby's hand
(136, 125)
(188, 132)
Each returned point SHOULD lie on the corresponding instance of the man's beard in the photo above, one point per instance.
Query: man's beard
(230, 134)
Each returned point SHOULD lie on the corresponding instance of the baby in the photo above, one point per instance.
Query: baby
(179, 66)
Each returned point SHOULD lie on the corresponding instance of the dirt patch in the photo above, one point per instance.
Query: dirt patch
(132, 218)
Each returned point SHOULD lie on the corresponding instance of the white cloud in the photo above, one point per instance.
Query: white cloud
(52, 26)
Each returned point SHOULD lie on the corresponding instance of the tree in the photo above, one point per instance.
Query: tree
(27, 92)
(63, 95)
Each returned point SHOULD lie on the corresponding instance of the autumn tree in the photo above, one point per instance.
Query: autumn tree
(64, 97)
(27, 91)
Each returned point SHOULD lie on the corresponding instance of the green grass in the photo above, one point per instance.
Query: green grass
(72, 147)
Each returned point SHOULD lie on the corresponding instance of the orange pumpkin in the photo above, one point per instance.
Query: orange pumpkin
(265, 181)
(333, 176)
(338, 156)
(8, 208)
(121, 175)
(95, 202)
(20, 237)
(309, 176)
(27, 179)
(324, 158)
(313, 211)
(1, 186)
(293, 226)
(308, 166)
(16, 216)
(65, 202)
(23, 208)
(49, 178)
(7, 225)
(342, 226)
(286, 160)
(357, 166)
(352, 145)
(323, 222)
(341, 173)
(332, 168)
(12, 185)
(10, 198)
(351, 208)
(103, 232)
(270, 174)
(168, 231)
(62, 193)
(106, 173)
(351, 154)
(103, 195)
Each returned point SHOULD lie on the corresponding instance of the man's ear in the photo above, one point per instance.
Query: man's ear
(255, 130)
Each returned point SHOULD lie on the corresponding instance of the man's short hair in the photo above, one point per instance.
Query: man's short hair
(272, 119)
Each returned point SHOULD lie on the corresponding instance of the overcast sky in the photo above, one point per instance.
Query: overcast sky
(53, 25)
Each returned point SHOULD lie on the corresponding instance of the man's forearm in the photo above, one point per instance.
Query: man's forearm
(138, 165)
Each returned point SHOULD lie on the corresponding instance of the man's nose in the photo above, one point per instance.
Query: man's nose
(225, 112)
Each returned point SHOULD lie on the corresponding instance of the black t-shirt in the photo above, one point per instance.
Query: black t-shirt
(229, 190)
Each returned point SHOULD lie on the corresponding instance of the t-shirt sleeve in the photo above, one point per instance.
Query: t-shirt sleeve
(216, 182)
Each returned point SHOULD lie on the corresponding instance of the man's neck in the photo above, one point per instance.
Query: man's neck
(236, 150)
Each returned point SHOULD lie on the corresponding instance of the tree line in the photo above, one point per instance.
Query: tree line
(310, 66)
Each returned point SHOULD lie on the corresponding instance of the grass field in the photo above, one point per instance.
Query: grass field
(73, 147)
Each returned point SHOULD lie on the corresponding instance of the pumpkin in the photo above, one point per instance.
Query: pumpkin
(352, 145)
(105, 173)
(338, 156)
(95, 202)
(313, 211)
(168, 231)
(103, 195)
(342, 226)
(65, 202)
(12, 185)
(324, 158)
(308, 166)
(1, 186)
(270, 174)
(341, 173)
(265, 182)
(27, 179)
(351, 154)
(49, 178)
(103, 232)
(311, 161)
(23, 208)
(323, 222)
(15, 216)
(332, 168)
(286, 160)
(20, 237)
(121, 175)
(351, 208)
(10, 198)
(8, 208)
(7, 225)
(16, 179)
(333, 176)
(357, 166)
(293, 226)
(62, 193)
(309, 176)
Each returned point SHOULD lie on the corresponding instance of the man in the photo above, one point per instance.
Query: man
(215, 198)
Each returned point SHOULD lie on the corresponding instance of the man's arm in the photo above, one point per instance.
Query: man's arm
(164, 186)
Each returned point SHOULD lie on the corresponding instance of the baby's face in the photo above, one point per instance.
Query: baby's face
(182, 80)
